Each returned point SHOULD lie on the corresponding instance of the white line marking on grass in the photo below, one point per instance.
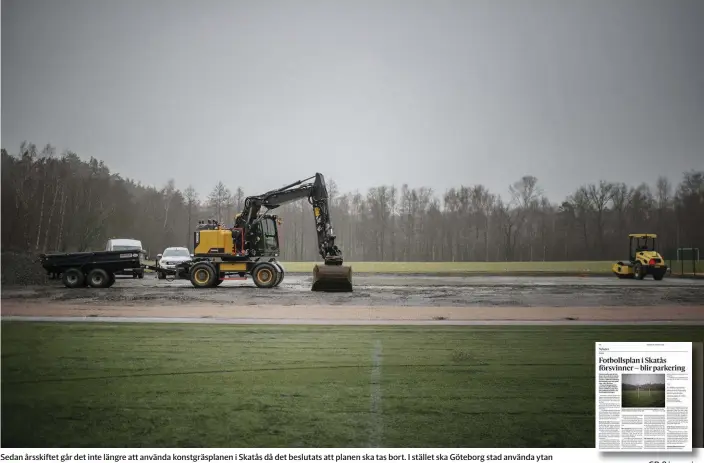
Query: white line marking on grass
(377, 425)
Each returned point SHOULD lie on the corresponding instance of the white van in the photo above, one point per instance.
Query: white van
(127, 244)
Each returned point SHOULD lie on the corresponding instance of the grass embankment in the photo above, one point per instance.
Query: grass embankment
(113, 385)
(601, 268)
(466, 267)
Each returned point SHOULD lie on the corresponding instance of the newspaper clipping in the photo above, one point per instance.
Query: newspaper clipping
(644, 396)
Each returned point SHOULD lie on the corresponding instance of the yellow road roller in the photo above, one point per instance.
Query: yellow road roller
(643, 259)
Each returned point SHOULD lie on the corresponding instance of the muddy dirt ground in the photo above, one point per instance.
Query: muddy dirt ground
(380, 291)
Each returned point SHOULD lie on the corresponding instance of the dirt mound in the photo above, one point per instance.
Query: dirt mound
(21, 268)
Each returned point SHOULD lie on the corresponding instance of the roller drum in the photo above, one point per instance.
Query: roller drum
(332, 278)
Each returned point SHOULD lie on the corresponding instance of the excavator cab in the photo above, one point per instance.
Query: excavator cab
(265, 235)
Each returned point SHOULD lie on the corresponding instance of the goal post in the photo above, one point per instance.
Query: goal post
(688, 254)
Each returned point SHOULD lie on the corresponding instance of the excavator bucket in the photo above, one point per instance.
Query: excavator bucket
(332, 278)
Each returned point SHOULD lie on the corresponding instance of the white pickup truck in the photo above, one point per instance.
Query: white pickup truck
(127, 244)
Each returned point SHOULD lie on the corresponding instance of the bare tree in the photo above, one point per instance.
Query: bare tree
(621, 201)
(70, 204)
(191, 196)
(168, 193)
(239, 199)
(600, 196)
(218, 199)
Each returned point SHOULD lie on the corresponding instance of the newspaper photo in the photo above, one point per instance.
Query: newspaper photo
(643, 396)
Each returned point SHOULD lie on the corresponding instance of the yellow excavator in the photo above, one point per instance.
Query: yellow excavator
(251, 246)
(643, 259)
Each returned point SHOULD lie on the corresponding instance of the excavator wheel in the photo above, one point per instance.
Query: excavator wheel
(280, 278)
(265, 275)
(203, 275)
(332, 278)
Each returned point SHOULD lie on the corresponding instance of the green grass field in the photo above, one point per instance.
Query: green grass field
(643, 399)
(105, 385)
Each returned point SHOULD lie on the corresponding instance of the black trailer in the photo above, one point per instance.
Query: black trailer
(96, 269)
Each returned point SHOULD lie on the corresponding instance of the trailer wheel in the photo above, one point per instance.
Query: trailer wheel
(265, 275)
(98, 278)
(73, 278)
(203, 275)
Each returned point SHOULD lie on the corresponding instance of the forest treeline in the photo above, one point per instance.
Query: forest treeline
(58, 202)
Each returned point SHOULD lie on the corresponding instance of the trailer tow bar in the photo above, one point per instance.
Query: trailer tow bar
(166, 272)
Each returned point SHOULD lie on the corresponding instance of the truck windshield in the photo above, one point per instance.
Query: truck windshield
(176, 253)
(126, 248)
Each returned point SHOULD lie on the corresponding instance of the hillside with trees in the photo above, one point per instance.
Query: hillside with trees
(59, 202)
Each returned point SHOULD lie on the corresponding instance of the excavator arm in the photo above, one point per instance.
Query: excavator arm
(333, 276)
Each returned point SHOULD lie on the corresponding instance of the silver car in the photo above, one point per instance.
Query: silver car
(170, 258)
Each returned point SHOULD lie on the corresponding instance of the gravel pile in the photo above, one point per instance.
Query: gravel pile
(21, 269)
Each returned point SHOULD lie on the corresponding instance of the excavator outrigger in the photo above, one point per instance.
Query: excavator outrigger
(251, 246)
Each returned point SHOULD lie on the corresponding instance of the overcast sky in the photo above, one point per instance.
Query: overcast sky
(638, 379)
(435, 93)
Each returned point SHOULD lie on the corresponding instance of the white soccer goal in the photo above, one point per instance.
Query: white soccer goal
(687, 254)
(639, 387)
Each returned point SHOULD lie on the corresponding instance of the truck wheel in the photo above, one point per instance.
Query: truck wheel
(264, 275)
(73, 278)
(111, 280)
(658, 274)
(203, 275)
(98, 278)
(140, 275)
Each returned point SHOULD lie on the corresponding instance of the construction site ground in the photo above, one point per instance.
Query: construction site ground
(376, 299)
